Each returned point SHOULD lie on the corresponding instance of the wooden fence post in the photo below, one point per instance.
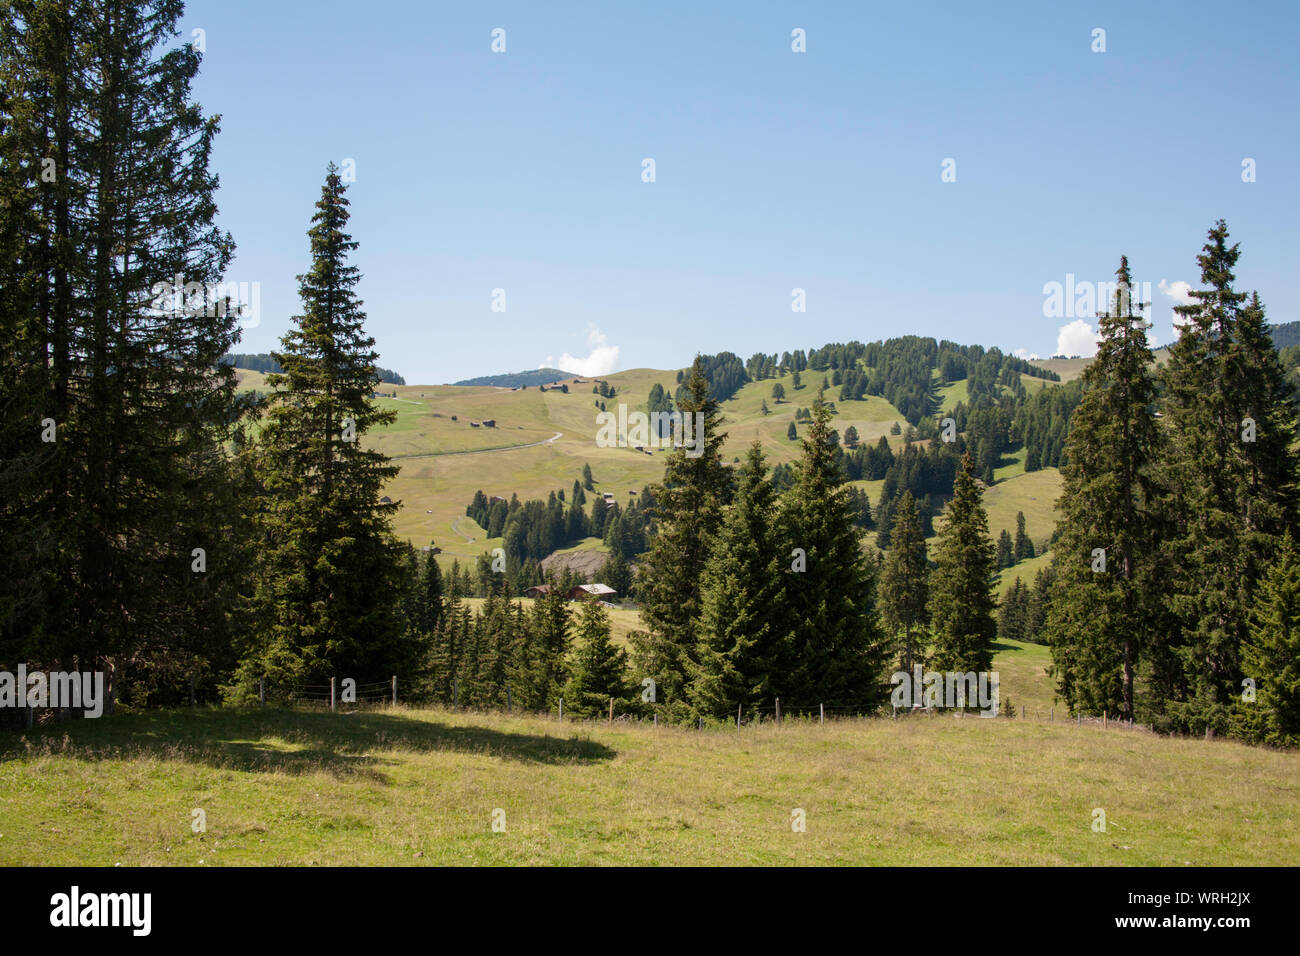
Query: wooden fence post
(1103, 720)
(331, 693)
(1022, 711)
(455, 693)
(611, 710)
(778, 710)
(656, 716)
(561, 708)
(701, 723)
(738, 707)
(822, 708)
(394, 690)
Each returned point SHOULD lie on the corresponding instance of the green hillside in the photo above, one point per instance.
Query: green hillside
(542, 439)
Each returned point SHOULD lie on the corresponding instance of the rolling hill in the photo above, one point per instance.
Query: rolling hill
(541, 440)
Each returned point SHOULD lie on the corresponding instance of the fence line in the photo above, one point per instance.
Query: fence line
(385, 692)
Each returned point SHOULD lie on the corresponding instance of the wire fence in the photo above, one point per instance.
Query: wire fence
(345, 692)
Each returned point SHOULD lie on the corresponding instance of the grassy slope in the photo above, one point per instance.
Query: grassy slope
(402, 787)
(434, 489)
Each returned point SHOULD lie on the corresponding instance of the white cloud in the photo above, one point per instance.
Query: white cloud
(1026, 355)
(1180, 292)
(602, 359)
(1076, 338)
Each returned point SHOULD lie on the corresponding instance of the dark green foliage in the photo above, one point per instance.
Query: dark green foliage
(688, 512)
(264, 362)
(904, 585)
(1024, 548)
(599, 667)
(617, 573)
(741, 654)
(724, 373)
(837, 649)
(101, 145)
(1006, 550)
(329, 574)
(1271, 655)
(1230, 498)
(1013, 615)
(961, 596)
(1104, 621)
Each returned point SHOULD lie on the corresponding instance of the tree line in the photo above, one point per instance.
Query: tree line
(1175, 562)
(265, 362)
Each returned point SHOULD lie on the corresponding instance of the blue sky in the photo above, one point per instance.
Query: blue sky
(774, 170)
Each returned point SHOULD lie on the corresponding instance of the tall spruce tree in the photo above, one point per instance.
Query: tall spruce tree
(961, 586)
(1107, 610)
(1231, 479)
(329, 576)
(905, 585)
(740, 654)
(114, 327)
(835, 650)
(688, 510)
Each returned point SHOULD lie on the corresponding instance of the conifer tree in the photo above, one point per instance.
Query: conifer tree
(1106, 611)
(329, 577)
(688, 510)
(1006, 550)
(905, 585)
(549, 628)
(740, 655)
(599, 666)
(100, 145)
(1024, 548)
(1231, 480)
(1272, 652)
(617, 573)
(961, 596)
(836, 651)
(1013, 615)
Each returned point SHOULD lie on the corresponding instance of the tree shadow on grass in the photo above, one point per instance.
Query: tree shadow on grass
(356, 744)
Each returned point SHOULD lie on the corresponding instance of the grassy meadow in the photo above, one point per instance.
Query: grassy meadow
(421, 787)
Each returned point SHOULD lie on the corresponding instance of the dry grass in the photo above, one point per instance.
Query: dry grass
(420, 787)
